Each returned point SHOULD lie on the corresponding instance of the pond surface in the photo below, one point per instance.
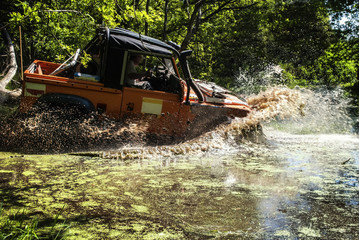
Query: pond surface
(290, 187)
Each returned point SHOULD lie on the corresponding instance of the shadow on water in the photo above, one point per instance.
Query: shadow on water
(279, 185)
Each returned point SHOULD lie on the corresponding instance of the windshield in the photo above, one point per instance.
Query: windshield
(158, 72)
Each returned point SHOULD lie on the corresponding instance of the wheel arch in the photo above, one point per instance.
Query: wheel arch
(66, 100)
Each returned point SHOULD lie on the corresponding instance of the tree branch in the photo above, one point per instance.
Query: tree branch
(223, 8)
(224, 4)
(63, 10)
(118, 5)
(190, 30)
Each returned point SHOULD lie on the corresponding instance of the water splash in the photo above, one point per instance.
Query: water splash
(49, 131)
(321, 111)
(294, 110)
(234, 135)
(253, 81)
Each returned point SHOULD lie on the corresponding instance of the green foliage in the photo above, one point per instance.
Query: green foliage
(337, 66)
(227, 37)
(52, 31)
(300, 32)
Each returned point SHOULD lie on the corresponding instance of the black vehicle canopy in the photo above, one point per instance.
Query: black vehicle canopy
(117, 42)
(124, 39)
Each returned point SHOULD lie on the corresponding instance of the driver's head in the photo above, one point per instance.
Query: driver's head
(137, 59)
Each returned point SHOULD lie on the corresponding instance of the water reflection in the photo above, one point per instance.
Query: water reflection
(328, 188)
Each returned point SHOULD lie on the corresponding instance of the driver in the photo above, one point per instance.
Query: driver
(134, 78)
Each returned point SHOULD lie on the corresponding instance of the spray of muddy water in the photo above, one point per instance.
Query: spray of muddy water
(47, 132)
(297, 111)
(54, 131)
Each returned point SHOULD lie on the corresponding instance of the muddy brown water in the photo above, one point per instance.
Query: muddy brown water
(292, 181)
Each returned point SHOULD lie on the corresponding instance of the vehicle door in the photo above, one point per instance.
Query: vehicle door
(159, 100)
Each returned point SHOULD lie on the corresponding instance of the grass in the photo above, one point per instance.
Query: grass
(15, 227)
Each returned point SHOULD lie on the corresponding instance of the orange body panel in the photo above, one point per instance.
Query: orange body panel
(94, 92)
(133, 96)
(166, 112)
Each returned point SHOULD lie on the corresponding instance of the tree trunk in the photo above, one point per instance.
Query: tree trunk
(11, 70)
(198, 17)
(12, 66)
(147, 11)
(164, 34)
(193, 24)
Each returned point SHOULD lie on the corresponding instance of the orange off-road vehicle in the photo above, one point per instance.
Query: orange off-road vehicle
(173, 104)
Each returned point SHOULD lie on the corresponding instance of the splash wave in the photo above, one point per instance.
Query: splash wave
(126, 139)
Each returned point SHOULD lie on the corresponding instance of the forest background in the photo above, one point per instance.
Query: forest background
(310, 43)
